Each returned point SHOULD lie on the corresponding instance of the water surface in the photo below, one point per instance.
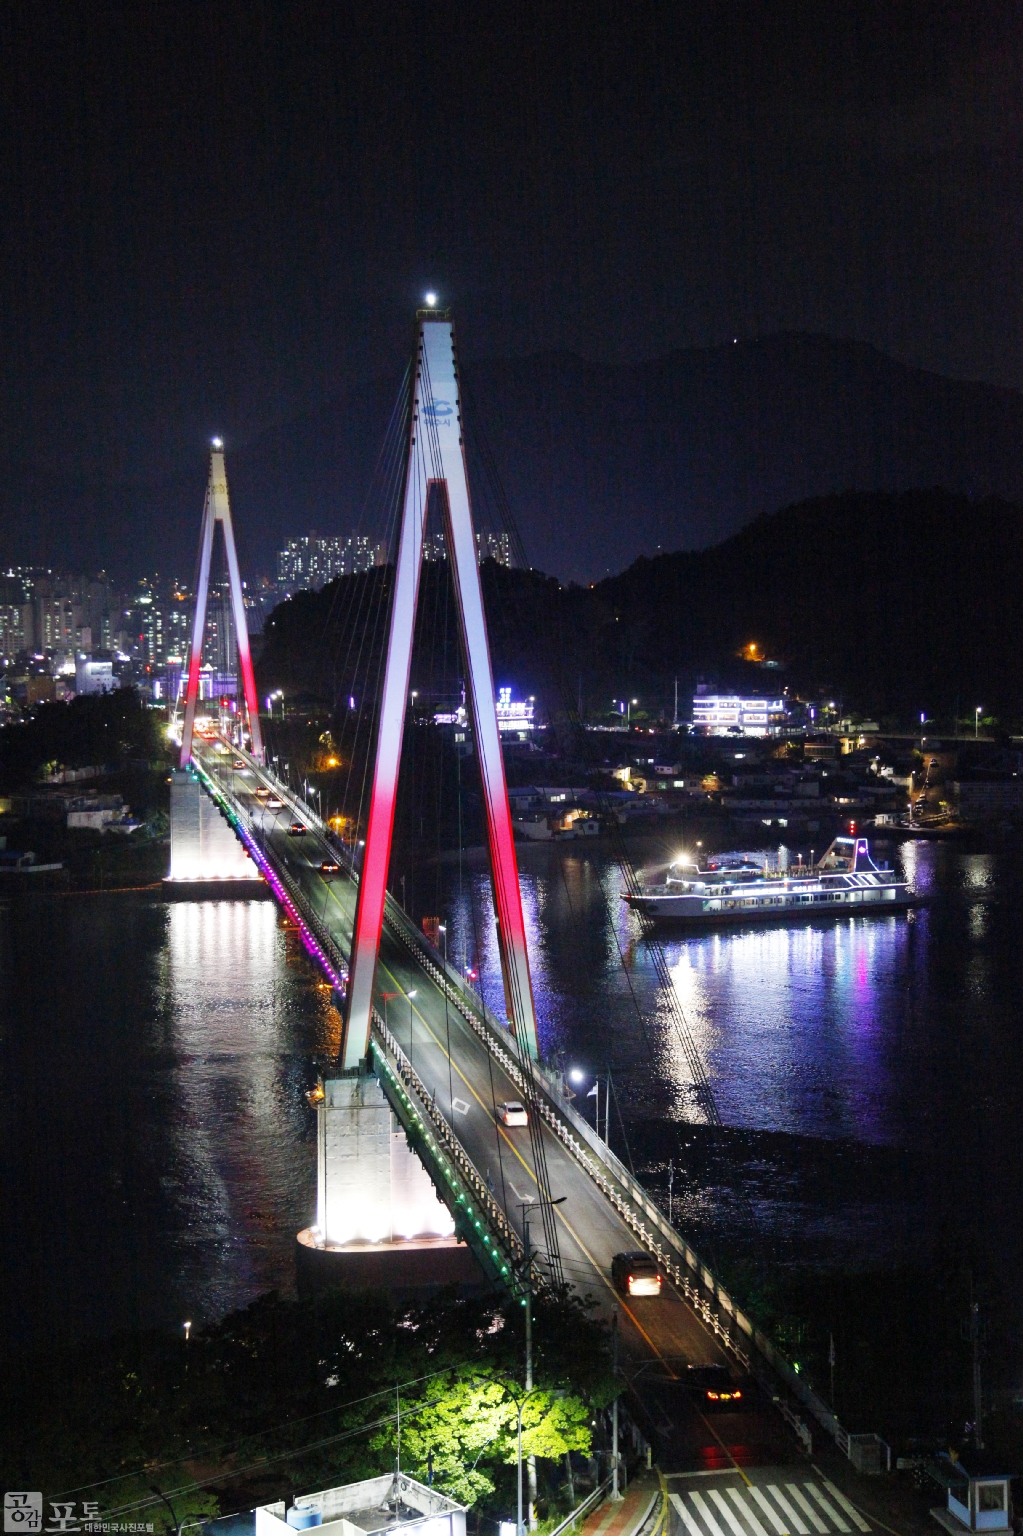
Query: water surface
(157, 1147)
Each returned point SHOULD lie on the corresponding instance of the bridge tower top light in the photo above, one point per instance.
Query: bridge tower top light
(217, 509)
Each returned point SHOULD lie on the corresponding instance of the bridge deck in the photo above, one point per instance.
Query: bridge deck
(462, 1068)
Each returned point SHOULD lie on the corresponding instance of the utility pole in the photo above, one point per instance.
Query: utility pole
(531, 1460)
(526, 1207)
(974, 1333)
(831, 1362)
(615, 1494)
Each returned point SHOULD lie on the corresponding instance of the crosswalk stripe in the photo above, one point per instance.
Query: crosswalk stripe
(707, 1513)
(829, 1509)
(793, 1514)
(769, 1511)
(690, 1524)
(737, 1499)
(807, 1508)
(737, 1529)
(850, 1509)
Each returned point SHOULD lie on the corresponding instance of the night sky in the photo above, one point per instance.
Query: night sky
(219, 217)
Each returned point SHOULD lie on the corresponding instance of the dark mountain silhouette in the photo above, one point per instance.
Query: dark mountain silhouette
(600, 463)
(603, 463)
(902, 604)
(899, 604)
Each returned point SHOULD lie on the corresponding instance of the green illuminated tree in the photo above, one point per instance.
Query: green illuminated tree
(467, 1430)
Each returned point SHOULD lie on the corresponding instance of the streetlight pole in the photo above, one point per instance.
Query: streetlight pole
(442, 929)
(411, 1019)
(526, 1207)
(520, 1403)
(615, 1495)
(160, 1495)
(976, 720)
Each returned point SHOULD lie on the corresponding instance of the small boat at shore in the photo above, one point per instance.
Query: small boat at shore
(744, 887)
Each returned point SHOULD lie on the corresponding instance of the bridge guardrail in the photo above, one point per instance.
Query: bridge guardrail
(704, 1293)
(415, 1113)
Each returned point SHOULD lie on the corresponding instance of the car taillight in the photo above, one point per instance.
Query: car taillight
(713, 1396)
(736, 1394)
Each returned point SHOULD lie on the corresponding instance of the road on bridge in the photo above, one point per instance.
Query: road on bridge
(659, 1337)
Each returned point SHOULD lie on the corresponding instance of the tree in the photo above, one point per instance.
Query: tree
(464, 1432)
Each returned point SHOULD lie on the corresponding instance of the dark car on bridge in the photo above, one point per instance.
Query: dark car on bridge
(636, 1274)
(296, 829)
(714, 1391)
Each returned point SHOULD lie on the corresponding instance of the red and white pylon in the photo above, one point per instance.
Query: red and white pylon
(435, 463)
(218, 510)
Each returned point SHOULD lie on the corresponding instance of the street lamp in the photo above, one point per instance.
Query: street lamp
(385, 998)
(160, 1495)
(520, 1403)
(525, 1207)
(976, 720)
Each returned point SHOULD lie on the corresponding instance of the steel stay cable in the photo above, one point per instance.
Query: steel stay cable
(594, 1266)
(519, 1012)
(368, 592)
(362, 689)
(623, 1204)
(486, 1033)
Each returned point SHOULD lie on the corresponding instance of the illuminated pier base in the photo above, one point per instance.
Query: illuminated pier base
(204, 849)
(379, 1222)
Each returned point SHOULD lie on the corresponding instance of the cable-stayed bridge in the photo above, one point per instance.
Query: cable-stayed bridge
(445, 1063)
(541, 1204)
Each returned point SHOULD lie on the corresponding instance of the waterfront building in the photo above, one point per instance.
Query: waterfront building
(718, 714)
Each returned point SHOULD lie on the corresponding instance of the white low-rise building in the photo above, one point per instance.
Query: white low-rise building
(362, 1509)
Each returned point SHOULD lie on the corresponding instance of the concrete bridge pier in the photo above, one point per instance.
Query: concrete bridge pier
(379, 1223)
(204, 848)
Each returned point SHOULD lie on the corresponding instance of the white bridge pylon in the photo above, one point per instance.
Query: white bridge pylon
(435, 464)
(218, 510)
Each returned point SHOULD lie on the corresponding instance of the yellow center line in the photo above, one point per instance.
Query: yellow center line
(724, 1447)
(531, 1173)
(558, 1212)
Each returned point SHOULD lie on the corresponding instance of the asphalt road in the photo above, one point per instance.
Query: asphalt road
(659, 1337)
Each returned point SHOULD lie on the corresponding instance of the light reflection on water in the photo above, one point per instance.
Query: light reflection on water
(157, 1151)
(156, 1146)
(867, 1066)
(791, 1022)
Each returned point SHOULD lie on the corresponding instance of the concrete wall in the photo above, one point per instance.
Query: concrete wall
(203, 844)
(372, 1186)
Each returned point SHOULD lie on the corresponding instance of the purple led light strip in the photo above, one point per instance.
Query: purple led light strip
(308, 938)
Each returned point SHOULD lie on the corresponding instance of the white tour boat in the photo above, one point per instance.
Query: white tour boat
(754, 887)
